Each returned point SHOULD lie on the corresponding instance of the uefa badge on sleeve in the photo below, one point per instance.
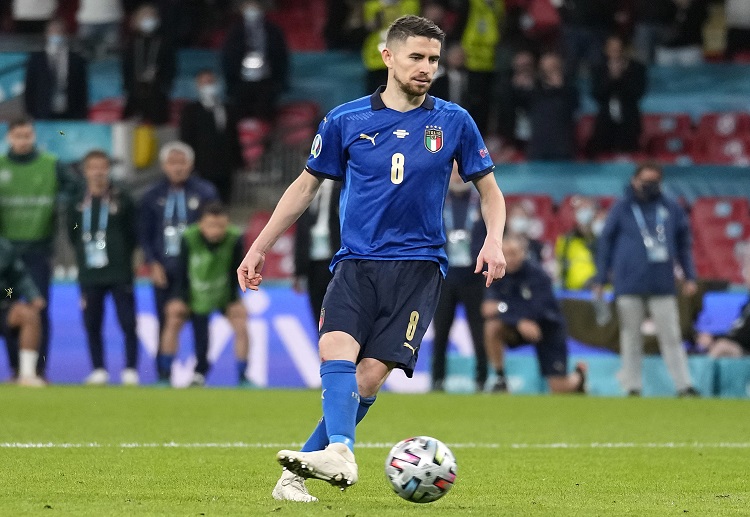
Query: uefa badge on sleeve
(433, 138)
(322, 319)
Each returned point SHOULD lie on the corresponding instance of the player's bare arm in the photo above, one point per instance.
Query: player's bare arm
(493, 213)
(292, 204)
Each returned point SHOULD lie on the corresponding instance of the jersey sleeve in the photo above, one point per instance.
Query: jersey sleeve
(327, 151)
(473, 158)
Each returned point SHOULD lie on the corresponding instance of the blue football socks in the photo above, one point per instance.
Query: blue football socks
(318, 440)
(164, 365)
(340, 400)
(241, 369)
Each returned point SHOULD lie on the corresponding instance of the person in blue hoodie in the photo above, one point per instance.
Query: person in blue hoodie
(645, 235)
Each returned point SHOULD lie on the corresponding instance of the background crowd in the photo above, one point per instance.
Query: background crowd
(516, 65)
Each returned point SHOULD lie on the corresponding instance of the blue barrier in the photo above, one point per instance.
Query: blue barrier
(68, 140)
(284, 352)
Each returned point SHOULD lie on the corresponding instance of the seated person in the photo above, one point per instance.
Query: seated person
(20, 323)
(574, 251)
(211, 250)
(735, 343)
(522, 309)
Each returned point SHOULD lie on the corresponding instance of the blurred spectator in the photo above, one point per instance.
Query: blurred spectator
(515, 89)
(377, 16)
(617, 86)
(102, 228)
(551, 108)
(683, 42)
(209, 126)
(99, 24)
(317, 239)
(345, 27)
(31, 16)
(646, 235)
(465, 232)
(149, 67)
(165, 211)
(56, 79)
(575, 250)
(255, 62)
(480, 23)
(522, 308)
(450, 82)
(19, 316)
(585, 26)
(522, 221)
(206, 283)
(653, 22)
(31, 183)
(193, 22)
(735, 343)
(738, 27)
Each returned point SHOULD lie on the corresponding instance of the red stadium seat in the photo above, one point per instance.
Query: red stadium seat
(251, 154)
(720, 209)
(672, 147)
(279, 259)
(723, 124)
(656, 124)
(107, 111)
(734, 150)
(253, 131)
(298, 114)
(542, 207)
(584, 129)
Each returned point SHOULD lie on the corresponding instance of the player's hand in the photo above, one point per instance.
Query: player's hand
(158, 275)
(39, 303)
(689, 288)
(529, 330)
(248, 274)
(492, 255)
(598, 291)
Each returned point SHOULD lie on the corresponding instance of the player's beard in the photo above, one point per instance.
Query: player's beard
(408, 89)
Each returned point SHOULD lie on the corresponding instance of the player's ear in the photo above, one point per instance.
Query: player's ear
(387, 55)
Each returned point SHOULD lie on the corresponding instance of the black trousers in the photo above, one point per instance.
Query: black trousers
(39, 266)
(318, 277)
(200, 336)
(92, 298)
(461, 285)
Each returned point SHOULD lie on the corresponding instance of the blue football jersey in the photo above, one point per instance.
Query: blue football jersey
(395, 169)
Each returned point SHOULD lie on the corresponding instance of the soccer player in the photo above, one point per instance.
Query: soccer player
(394, 152)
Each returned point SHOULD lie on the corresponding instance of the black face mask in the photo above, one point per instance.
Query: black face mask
(650, 190)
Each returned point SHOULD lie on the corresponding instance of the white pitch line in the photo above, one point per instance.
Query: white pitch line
(375, 445)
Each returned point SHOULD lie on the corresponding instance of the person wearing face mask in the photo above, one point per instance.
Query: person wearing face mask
(646, 234)
(465, 232)
(56, 79)
(576, 249)
(255, 63)
(209, 126)
(521, 221)
(148, 68)
(165, 211)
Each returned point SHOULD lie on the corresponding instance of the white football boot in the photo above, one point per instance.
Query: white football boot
(129, 377)
(98, 377)
(291, 487)
(335, 464)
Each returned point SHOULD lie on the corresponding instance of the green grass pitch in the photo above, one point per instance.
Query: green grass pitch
(147, 451)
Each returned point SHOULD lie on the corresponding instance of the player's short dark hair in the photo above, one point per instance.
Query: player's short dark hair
(410, 25)
(214, 208)
(651, 166)
(205, 71)
(97, 153)
(23, 120)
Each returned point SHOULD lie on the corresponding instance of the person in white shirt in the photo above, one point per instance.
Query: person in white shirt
(99, 23)
(31, 16)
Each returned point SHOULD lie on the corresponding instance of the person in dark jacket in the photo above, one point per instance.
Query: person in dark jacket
(653, 19)
(585, 24)
(56, 79)
(617, 86)
(209, 126)
(165, 211)
(317, 239)
(465, 232)
(19, 316)
(102, 228)
(148, 68)
(646, 234)
(255, 62)
(683, 42)
(523, 309)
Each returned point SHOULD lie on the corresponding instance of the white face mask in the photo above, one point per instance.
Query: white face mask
(519, 225)
(209, 91)
(584, 216)
(149, 24)
(55, 40)
(597, 227)
(252, 14)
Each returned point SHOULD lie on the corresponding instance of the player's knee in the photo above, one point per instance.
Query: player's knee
(338, 346)
(237, 316)
(176, 312)
(489, 309)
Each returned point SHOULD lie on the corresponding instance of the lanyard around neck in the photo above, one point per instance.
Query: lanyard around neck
(470, 209)
(101, 223)
(176, 199)
(661, 235)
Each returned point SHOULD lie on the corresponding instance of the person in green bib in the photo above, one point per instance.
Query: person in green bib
(205, 284)
(31, 181)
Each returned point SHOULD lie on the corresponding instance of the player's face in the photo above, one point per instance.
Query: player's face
(515, 253)
(213, 227)
(177, 167)
(21, 139)
(413, 63)
(96, 171)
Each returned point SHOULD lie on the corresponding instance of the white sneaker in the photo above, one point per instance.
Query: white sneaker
(31, 382)
(335, 464)
(291, 487)
(98, 377)
(129, 377)
(199, 380)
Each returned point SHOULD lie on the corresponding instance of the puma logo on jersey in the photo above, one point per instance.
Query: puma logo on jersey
(370, 138)
(407, 345)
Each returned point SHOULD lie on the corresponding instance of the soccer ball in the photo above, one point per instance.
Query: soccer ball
(421, 469)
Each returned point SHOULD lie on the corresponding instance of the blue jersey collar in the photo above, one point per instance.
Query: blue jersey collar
(376, 102)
